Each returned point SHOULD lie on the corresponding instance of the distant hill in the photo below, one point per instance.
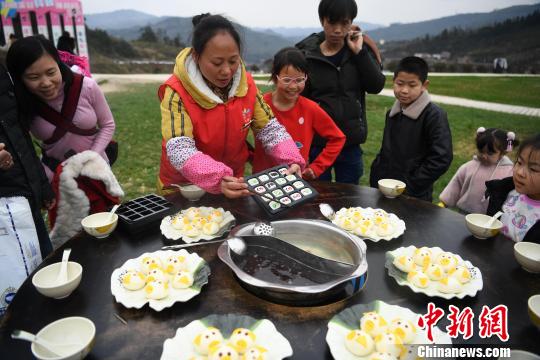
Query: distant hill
(119, 19)
(464, 21)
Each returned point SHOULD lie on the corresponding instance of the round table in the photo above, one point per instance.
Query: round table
(505, 282)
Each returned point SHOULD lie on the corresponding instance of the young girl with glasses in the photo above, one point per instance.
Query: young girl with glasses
(301, 117)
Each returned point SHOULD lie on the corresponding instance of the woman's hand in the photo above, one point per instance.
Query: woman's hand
(309, 174)
(355, 40)
(295, 169)
(6, 160)
(233, 187)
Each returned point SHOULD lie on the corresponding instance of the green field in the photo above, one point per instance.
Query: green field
(137, 116)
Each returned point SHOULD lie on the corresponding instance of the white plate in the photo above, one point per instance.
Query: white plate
(397, 222)
(172, 234)
(137, 299)
(180, 347)
(349, 319)
(469, 289)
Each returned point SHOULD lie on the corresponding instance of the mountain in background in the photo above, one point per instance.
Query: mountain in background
(464, 21)
(119, 19)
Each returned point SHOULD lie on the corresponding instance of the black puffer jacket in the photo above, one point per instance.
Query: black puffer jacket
(340, 91)
(27, 177)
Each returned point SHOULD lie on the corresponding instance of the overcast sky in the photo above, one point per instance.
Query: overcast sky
(302, 13)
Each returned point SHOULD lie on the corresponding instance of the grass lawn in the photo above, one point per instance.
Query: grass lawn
(138, 120)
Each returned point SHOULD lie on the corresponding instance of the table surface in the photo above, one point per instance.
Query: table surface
(505, 282)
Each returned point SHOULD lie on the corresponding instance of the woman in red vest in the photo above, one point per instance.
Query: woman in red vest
(207, 108)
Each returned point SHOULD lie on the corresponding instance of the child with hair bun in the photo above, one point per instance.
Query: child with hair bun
(466, 189)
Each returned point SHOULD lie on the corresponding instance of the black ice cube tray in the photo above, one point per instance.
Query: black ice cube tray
(275, 191)
(144, 212)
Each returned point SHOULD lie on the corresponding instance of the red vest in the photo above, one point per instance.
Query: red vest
(219, 132)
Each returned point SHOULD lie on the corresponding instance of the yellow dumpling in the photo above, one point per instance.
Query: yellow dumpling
(157, 290)
(242, 339)
(461, 273)
(434, 272)
(179, 221)
(449, 285)
(347, 224)
(356, 215)
(192, 213)
(422, 256)
(191, 231)
(175, 263)
(210, 228)
(404, 263)
(182, 280)
(380, 216)
(199, 222)
(133, 280)
(418, 278)
(382, 356)
(385, 228)
(447, 260)
(150, 262)
(216, 216)
(255, 353)
(223, 352)
(389, 343)
(157, 274)
(405, 329)
(208, 338)
(359, 343)
(372, 323)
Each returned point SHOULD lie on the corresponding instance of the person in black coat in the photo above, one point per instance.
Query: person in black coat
(417, 143)
(343, 66)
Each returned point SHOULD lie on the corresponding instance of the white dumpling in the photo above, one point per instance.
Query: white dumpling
(199, 222)
(404, 263)
(242, 339)
(175, 263)
(461, 273)
(385, 228)
(405, 329)
(422, 256)
(157, 274)
(208, 338)
(133, 280)
(157, 290)
(182, 280)
(418, 278)
(380, 216)
(178, 222)
(150, 262)
(216, 216)
(192, 213)
(434, 271)
(223, 352)
(210, 228)
(372, 323)
(359, 343)
(447, 260)
(389, 343)
(449, 285)
(191, 231)
(255, 353)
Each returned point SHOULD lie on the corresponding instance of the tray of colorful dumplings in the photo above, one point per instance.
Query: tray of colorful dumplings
(378, 331)
(197, 223)
(230, 336)
(370, 224)
(434, 272)
(159, 279)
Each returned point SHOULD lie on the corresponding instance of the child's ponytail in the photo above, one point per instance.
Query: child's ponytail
(495, 140)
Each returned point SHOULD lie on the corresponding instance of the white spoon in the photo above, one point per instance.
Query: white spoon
(60, 349)
(113, 210)
(63, 275)
(490, 222)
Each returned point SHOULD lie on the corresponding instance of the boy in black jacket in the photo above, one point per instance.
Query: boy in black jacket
(417, 144)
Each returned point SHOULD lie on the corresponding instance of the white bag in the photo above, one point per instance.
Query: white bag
(19, 247)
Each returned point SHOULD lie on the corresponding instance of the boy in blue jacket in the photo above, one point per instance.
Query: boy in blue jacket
(417, 143)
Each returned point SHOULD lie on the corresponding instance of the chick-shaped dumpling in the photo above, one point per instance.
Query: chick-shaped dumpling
(356, 215)
(208, 338)
(434, 271)
(359, 343)
(461, 273)
(372, 323)
(404, 263)
(192, 213)
(449, 285)
(223, 352)
(447, 260)
(178, 221)
(382, 356)
(182, 280)
(242, 339)
(199, 222)
(418, 278)
(133, 280)
(157, 274)
(150, 262)
(380, 216)
(405, 329)
(175, 263)
(389, 343)
(191, 231)
(422, 256)
(385, 228)
(210, 228)
(364, 227)
(347, 224)
(255, 353)
(156, 290)
(216, 216)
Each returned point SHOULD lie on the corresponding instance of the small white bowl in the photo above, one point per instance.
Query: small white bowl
(476, 223)
(534, 309)
(391, 188)
(191, 192)
(45, 280)
(75, 330)
(528, 256)
(100, 224)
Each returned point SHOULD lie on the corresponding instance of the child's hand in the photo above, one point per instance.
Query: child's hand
(6, 161)
(295, 169)
(355, 40)
(233, 187)
(309, 174)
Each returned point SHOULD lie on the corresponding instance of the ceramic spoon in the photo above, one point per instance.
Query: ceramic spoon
(327, 211)
(490, 222)
(60, 350)
(113, 210)
(62, 275)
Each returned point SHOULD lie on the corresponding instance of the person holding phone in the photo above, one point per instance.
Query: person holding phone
(344, 64)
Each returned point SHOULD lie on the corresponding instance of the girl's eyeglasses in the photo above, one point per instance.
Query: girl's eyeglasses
(288, 80)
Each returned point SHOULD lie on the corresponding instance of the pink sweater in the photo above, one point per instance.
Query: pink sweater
(92, 111)
(467, 187)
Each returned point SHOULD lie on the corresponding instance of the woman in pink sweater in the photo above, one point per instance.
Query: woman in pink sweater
(467, 188)
(66, 111)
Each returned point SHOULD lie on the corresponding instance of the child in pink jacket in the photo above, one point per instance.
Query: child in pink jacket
(466, 189)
